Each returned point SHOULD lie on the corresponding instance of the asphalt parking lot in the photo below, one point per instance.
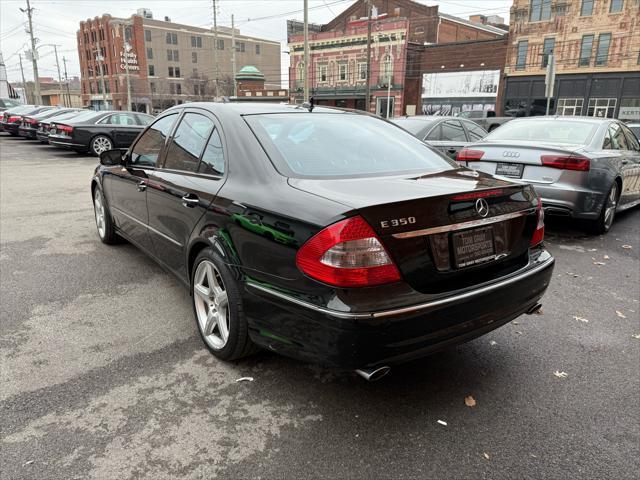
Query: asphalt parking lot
(104, 376)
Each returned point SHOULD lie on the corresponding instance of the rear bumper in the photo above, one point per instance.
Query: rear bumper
(11, 128)
(571, 201)
(65, 142)
(27, 132)
(43, 137)
(355, 340)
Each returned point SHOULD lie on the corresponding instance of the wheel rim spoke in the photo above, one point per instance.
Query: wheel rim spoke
(211, 322)
(203, 292)
(223, 328)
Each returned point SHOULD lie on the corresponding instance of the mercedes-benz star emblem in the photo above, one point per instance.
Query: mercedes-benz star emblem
(482, 207)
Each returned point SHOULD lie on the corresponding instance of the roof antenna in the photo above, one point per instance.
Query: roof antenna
(309, 105)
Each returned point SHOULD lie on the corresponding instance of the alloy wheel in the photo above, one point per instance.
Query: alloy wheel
(610, 206)
(212, 305)
(98, 208)
(101, 144)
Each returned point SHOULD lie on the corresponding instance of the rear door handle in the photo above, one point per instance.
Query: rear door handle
(190, 200)
(142, 186)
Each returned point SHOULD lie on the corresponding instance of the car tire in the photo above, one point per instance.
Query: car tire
(99, 144)
(104, 223)
(608, 211)
(217, 306)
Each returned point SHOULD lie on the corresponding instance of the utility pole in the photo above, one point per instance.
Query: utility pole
(305, 72)
(24, 84)
(215, 45)
(100, 60)
(36, 81)
(367, 100)
(66, 80)
(55, 49)
(233, 56)
(125, 49)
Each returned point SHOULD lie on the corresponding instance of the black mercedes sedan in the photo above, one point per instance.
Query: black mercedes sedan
(327, 235)
(12, 118)
(97, 133)
(447, 134)
(31, 123)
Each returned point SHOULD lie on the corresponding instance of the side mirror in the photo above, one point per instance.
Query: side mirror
(113, 157)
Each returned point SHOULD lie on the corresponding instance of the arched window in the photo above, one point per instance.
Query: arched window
(386, 69)
(300, 75)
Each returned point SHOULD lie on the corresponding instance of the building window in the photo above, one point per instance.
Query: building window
(173, 55)
(178, 89)
(149, 53)
(196, 42)
(601, 107)
(147, 35)
(300, 75)
(521, 60)
(257, 49)
(602, 54)
(587, 8)
(152, 87)
(362, 71)
(342, 72)
(221, 44)
(569, 106)
(194, 57)
(561, 9)
(323, 73)
(585, 51)
(616, 6)
(540, 10)
(174, 72)
(175, 88)
(152, 71)
(172, 38)
(547, 49)
(240, 46)
(386, 70)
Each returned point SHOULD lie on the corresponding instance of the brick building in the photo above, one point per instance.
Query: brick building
(167, 63)
(401, 29)
(596, 45)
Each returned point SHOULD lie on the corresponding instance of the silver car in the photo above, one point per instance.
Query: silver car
(584, 167)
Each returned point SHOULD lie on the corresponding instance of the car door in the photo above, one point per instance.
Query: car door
(126, 187)
(633, 153)
(625, 162)
(452, 138)
(181, 191)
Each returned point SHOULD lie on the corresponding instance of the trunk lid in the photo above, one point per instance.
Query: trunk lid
(432, 229)
(521, 161)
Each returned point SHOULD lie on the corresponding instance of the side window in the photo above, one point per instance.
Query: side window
(453, 131)
(435, 134)
(144, 119)
(475, 132)
(188, 142)
(108, 120)
(632, 141)
(125, 119)
(213, 159)
(618, 139)
(606, 144)
(147, 149)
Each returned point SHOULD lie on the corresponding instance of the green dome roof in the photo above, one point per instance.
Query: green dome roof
(249, 72)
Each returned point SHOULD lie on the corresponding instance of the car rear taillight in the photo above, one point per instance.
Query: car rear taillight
(347, 254)
(14, 118)
(65, 128)
(566, 162)
(31, 121)
(466, 155)
(538, 235)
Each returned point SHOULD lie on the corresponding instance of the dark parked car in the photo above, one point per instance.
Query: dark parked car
(12, 118)
(99, 132)
(385, 250)
(42, 133)
(31, 123)
(6, 103)
(447, 134)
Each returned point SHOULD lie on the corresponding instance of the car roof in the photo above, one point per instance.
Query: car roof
(428, 118)
(255, 108)
(560, 118)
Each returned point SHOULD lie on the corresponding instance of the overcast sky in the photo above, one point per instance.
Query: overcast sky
(56, 22)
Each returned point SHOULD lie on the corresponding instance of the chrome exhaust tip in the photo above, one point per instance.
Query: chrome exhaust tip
(373, 374)
(534, 309)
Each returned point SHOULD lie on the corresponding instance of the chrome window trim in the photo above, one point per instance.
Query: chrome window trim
(462, 225)
(413, 308)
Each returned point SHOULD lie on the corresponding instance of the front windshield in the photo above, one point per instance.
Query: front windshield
(342, 145)
(550, 131)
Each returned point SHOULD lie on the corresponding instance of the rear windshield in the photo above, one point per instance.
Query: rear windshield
(413, 126)
(551, 131)
(82, 117)
(341, 144)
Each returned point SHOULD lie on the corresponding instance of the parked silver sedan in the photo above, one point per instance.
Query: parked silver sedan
(584, 167)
